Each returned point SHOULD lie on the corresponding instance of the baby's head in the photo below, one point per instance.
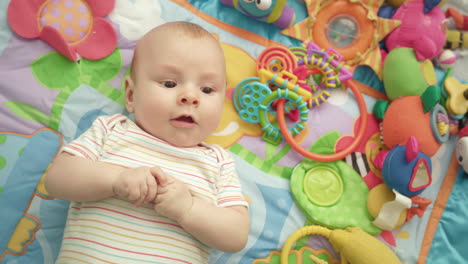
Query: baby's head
(177, 84)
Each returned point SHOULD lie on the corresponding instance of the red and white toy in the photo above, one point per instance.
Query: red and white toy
(462, 148)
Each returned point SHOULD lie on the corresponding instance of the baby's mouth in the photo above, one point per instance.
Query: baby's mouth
(185, 118)
(184, 121)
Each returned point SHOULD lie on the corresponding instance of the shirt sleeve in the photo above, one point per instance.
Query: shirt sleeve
(228, 185)
(89, 144)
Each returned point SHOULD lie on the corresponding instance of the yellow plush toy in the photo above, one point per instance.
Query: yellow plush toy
(354, 245)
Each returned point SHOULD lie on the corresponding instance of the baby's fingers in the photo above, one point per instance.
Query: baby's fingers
(160, 176)
(152, 189)
(140, 195)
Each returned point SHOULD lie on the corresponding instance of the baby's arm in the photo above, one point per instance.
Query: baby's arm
(78, 179)
(222, 228)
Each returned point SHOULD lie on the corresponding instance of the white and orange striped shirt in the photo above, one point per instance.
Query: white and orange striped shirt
(113, 230)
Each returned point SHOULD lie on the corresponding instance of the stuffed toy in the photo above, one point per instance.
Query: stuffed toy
(403, 74)
(425, 33)
(405, 169)
(270, 11)
(410, 116)
(354, 245)
(406, 172)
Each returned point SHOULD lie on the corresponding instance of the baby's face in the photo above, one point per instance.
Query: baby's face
(179, 88)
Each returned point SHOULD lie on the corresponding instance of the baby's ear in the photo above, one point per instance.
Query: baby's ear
(129, 88)
(215, 36)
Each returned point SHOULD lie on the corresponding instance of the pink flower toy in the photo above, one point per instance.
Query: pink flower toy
(75, 28)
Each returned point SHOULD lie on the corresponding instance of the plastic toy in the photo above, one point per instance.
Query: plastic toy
(425, 33)
(456, 39)
(80, 32)
(313, 61)
(328, 63)
(278, 69)
(276, 59)
(405, 169)
(270, 11)
(462, 149)
(328, 157)
(446, 59)
(253, 97)
(461, 21)
(333, 75)
(354, 245)
(457, 97)
(352, 28)
(254, 101)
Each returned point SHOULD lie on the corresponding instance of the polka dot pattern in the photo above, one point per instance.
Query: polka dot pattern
(72, 18)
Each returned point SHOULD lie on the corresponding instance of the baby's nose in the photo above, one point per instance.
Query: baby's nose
(187, 98)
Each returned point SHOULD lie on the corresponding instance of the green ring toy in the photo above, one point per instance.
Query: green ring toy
(272, 131)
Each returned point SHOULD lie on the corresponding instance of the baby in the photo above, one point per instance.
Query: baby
(150, 190)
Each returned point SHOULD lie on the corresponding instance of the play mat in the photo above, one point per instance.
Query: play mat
(62, 64)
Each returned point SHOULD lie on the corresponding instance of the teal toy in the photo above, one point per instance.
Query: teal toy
(253, 101)
(270, 11)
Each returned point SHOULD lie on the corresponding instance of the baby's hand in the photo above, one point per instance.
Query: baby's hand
(138, 184)
(174, 199)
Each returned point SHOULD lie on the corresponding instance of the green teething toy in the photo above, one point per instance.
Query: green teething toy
(331, 194)
(323, 186)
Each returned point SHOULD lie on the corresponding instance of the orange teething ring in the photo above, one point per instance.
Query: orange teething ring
(277, 59)
(331, 157)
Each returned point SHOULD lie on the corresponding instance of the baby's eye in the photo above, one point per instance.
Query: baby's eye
(207, 90)
(169, 84)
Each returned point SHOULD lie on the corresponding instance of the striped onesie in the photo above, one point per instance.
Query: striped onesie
(113, 230)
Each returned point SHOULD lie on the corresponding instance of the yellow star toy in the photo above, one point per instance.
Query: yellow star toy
(351, 27)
